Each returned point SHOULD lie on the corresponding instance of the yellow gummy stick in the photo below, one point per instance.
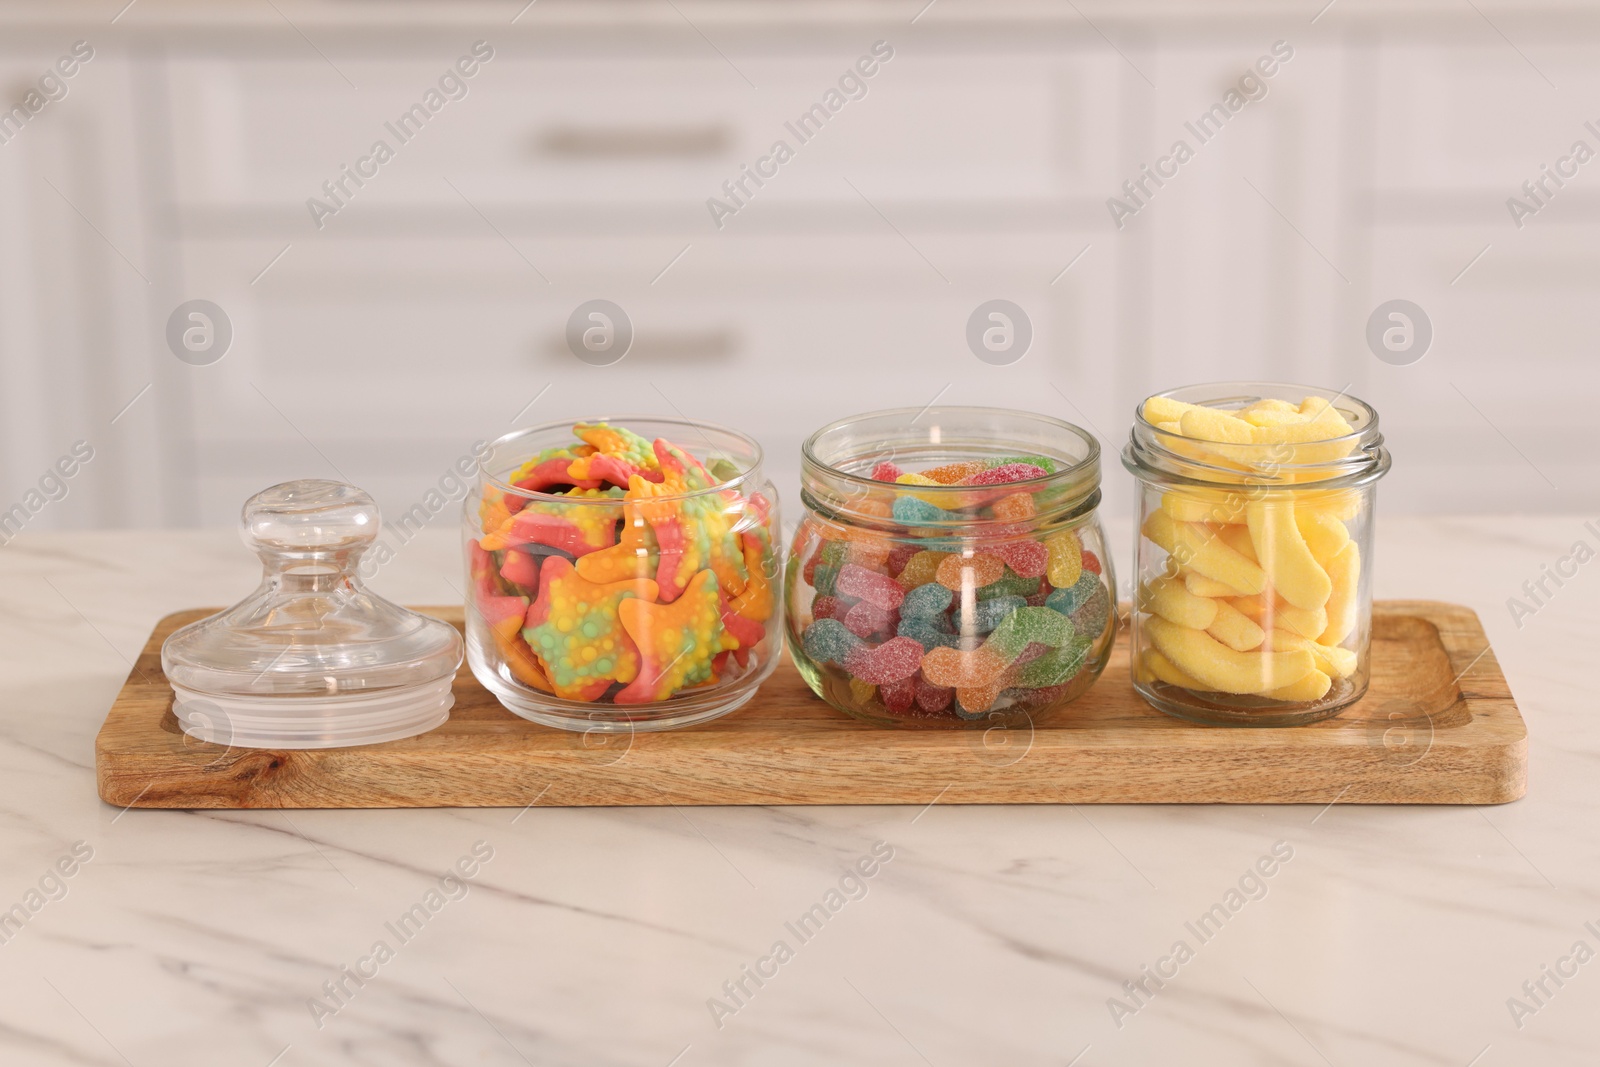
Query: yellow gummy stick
(1160, 409)
(1161, 668)
(1172, 600)
(1313, 686)
(1344, 570)
(1235, 629)
(1197, 547)
(1324, 534)
(1200, 585)
(1295, 574)
(1270, 612)
(1236, 536)
(1219, 667)
(1204, 505)
(1335, 660)
(1211, 424)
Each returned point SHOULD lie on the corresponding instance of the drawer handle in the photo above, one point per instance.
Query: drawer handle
(669, 346)
(633, 142)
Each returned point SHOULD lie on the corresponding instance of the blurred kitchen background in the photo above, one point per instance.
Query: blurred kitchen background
(430, 310)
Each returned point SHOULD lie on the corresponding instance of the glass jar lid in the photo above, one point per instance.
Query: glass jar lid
(311, 659)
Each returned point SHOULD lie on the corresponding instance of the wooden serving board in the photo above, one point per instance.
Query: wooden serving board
(1438, 726)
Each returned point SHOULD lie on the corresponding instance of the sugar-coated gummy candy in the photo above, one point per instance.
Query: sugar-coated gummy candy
(1027, 626)
(865, 619)
(877, 589)
(900, 555)
(987, 614)
(914, 511)
(861, 691)
(826, 607)
(1014, 507)
(976, 571)
(828, 641)
(927, 633)
(931, 698)
(1065, 559)
(1091, 562)
(898, 696)
(926, 600)
(1010, 584)
(1056, 667)
(921, 568)
(1093, 614)
(1075, 596)
(885, 471)
(954, 473)
(1027, 559)
(895, 659)
(1006, 472)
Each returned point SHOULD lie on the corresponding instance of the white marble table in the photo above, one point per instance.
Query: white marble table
(597, 937)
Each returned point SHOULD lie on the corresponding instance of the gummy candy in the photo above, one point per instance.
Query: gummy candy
(913, 511)
(828, 641)
(1065, 559)
(974, 571)
(676, 642)
(927, 633)
(1006, 472)
(1027, 559)
(877, 589)
(896, 659)
(921, 568)
(865, 619)
(898, 696)
(933, 698)
(608, 536)
(987, 614)
(926, 600)
(942, 602)
(574, 627)
(885, 471)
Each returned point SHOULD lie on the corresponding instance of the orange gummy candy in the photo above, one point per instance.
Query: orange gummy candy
(980, 570)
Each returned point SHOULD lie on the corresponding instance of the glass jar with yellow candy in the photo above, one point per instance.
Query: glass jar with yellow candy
(1253, 594)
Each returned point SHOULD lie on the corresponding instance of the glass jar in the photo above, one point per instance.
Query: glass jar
(621, 574)
(1253, 604)
(950, 568)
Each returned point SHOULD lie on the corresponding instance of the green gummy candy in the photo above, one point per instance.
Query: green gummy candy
(1044, 462)
(1027, 626)
(826, 578)
(1056, 667)
(1009, 584)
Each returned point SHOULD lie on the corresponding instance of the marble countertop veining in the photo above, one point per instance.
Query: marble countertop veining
(651, 937)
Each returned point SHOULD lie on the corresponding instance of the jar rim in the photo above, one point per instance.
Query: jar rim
(1090, 460)
(1147, 452)
(749, 465)
(1077, 473)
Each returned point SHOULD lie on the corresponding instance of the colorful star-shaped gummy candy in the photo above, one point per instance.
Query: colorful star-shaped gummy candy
(574, 627)
(635, 555)
(677, 642)
(619, 455)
